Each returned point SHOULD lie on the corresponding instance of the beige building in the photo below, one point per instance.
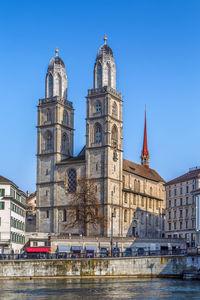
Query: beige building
(181, 206)
(133, 194)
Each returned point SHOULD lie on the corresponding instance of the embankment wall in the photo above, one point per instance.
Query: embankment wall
(167, 266)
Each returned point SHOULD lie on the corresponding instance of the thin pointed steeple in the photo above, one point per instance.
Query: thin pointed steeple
(145, 153)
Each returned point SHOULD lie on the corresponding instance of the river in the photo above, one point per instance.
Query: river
(118, 288)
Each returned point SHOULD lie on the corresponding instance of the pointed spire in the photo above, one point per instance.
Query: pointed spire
(105, 39)
(145, 153)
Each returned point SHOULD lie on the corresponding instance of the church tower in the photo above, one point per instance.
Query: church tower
(145, 152)
(55, 130)
(104, 139)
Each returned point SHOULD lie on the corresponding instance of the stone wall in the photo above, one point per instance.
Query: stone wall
(167, 266)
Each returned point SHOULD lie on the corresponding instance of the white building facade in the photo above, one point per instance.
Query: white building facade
(12, 217)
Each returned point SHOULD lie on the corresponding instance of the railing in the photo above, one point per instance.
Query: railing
(90, 254)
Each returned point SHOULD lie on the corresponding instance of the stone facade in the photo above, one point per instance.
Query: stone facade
(181, 206)
(136, 209)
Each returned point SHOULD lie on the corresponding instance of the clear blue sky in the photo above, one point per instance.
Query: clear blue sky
(156, 46)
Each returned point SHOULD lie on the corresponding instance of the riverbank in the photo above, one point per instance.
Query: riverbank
(160, 266)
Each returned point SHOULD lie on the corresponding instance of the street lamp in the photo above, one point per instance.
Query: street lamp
(111, 229)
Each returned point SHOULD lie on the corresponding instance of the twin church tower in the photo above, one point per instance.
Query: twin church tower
(100, 160)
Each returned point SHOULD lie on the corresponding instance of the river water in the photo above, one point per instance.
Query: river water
(121, 288)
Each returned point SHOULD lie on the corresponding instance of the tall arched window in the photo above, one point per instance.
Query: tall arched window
(114, 136)
(97, 133)
(65, 117)
(58, 86)
(65, 143)
(99, 75)
(49, 141)
(50, 86)
(109, 74)
(72, 180)
(48, 115)
(114, 109)
(64, 215)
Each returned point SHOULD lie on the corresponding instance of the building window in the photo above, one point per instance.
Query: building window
(114, 109)
(134, 199)
(193, 199)
(65, 117)
(2, 205)
(49, 141)
(47, 214)
(174, 202)
(169, 225)
(169, 193)
(169, 203)
(174, 192)
(50, 86)
(169, 215)
(142, 201)
(186, 213)
(181, 191)
(48, 115)
(186, 201)
(47, 172)
(65, 143)
(174, 225)
(99, 76)
(157, 204)
(192, 211)
(97, 133)
(181, 201)
(2, 192)
(64, 215)
(174, 214)
(193, 223)
(125, 215)
(150, 203)
(98, 107)
(35, 244)
(114, 212)
(181, 213)
(72, 181)
(114, 136)
(125, 197)
(186, 224)
(181, 225)
(187, 189)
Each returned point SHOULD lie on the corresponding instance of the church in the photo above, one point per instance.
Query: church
(131, 194)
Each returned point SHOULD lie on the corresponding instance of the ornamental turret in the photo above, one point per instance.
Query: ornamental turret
(145, 152)
(56, 79)
(104, 68)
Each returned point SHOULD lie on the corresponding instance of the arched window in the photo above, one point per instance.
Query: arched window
(114, 136)
(72, 180)
(135, 185)
(99, 75)
(125, 215)
(98, 107)
(65, 143)
(109, 74)
(64, 215)
(97, 133)
(65, 117)
(58, 86)
(48, 115)
(50, 86)
(49, 141)
(114, 109)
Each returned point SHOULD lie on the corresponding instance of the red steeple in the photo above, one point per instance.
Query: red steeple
(145, 153)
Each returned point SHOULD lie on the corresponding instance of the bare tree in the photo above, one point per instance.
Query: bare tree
(84, 207)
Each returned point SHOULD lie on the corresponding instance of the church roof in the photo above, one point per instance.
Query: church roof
(56, 60)
(142, 171)
(192, 174)
(104, 50)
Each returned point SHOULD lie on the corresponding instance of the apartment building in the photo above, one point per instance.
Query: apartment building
(12, 217)
(181, 206)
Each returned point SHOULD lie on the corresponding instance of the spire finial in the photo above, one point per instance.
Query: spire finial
(105, 39)
(56, 51)
(145, 153)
